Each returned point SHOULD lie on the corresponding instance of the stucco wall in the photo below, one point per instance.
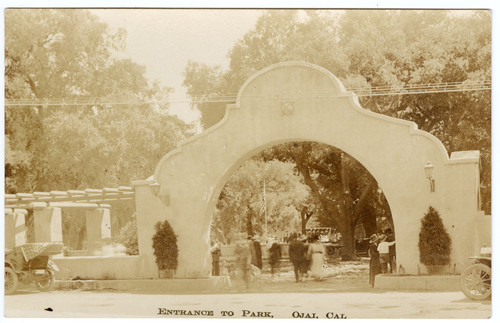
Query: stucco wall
(120, 267)
(303, 102)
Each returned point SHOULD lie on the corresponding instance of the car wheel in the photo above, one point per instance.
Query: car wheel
(46, 282)
(11, 281)
(475, 282)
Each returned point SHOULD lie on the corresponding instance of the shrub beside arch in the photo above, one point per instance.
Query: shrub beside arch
(434, 242)
(165, 249)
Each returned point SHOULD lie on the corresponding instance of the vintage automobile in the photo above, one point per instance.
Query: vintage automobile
(362, 246)
(475, 280)
(30, 263)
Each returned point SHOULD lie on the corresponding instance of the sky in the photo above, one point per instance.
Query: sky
(163, 40)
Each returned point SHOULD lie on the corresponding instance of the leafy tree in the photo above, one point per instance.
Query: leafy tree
(56, 55)
(344, 194)
(108, 149)
(70, 54)
(241, 204)
(427, 47)
(204, 83)
(364, 49)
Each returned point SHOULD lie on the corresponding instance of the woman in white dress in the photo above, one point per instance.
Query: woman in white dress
(316, 253)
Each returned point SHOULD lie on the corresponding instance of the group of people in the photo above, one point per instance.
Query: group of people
(329, 234)
(307, 258)
(307, 255)
(256, 254)
(382, 254)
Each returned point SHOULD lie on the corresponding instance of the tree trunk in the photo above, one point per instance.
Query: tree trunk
(369, 222)
(343, 210)
(249, 221)
(348, 250)
(304, 217)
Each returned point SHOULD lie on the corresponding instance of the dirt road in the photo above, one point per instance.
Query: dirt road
(359, 304)
(345, 293)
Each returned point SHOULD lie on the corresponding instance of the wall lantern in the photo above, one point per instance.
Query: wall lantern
(429, 169)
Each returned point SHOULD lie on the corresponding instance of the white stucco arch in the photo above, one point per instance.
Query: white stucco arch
(297, 101)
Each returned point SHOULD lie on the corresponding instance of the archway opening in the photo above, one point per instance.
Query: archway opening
(300, 189)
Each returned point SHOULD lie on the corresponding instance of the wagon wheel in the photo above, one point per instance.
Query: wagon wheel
(46, 282)
(11, 281)
(475, 282)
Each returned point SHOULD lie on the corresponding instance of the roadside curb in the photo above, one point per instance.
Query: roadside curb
(421, 283)
(159, 285)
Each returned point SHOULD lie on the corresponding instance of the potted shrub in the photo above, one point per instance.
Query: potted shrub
(434, 243)
(165, 249)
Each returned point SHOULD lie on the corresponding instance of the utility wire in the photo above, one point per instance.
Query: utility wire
(360, 92)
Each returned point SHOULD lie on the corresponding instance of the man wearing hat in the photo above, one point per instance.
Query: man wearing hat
(383, 249)
(297, 253)
(374, 259)
(392, 251)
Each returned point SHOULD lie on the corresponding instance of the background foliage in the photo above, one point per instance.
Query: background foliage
(128, 237)
(70, 54)
(241, 204)
(368, 49)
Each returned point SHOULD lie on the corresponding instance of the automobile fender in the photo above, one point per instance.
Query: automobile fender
(52, 265)
(14, 265)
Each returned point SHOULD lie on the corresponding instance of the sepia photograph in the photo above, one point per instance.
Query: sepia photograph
(236, 163)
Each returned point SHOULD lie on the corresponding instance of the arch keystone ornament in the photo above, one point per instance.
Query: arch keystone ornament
(297, 101)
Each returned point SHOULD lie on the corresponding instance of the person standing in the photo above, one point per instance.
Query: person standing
(392, 251)
(274, 257)
(316, 253)
(243, 259)
(383, 249)
(251, 250)
(297, 253)
(216, 253)
(374, 259)
(258, 252)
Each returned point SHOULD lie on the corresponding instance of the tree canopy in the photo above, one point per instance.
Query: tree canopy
(371, 48)
(68, 54)
(242, 208)
(368, 49)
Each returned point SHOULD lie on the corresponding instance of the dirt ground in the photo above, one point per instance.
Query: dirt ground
(344, 292)
(338, 276)
(320, 303)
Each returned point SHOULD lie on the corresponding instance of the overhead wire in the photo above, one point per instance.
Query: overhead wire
(423, 88)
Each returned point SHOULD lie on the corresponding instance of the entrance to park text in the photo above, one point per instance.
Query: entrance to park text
(297, 101)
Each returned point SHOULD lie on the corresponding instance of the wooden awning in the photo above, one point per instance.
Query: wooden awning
(105, 195)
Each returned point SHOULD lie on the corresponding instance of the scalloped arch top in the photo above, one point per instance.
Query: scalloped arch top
(336, 85)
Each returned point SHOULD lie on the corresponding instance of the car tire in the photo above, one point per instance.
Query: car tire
(47, 283)
(475, 282)
(11, 281)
